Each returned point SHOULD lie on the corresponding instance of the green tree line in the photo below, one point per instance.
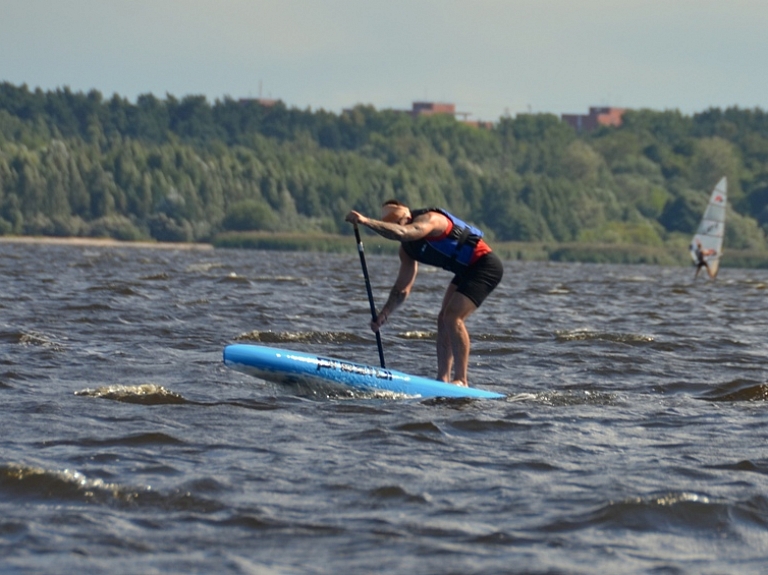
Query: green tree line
(77, 164)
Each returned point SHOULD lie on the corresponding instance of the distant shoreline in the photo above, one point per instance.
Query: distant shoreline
(102, 242)
(674, 255)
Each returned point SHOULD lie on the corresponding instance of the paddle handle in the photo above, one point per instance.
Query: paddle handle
(374, 316)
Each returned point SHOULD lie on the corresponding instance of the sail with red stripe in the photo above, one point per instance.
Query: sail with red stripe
(712, 228)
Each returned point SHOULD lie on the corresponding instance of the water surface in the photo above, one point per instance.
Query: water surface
(633, 439)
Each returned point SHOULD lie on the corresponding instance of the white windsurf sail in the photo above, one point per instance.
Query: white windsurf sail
(709, 237)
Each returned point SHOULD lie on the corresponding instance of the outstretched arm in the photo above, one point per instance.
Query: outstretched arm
(421, 227)
(400, 291)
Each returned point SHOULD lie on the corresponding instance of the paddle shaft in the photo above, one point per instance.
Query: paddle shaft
(374, 316)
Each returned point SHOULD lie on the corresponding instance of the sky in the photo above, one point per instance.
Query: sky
(491, 58)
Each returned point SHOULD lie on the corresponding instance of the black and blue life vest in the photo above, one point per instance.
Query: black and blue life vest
(453, 252)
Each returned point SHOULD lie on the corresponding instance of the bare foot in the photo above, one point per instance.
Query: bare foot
(460, 383)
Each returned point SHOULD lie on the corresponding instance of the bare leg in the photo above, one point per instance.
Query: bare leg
(452, 337)
(444, 349)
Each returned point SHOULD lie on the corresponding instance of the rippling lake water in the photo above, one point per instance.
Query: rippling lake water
(633, 439)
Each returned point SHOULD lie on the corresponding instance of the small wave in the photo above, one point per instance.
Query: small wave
(545, 290)
(760, 467)
(664, 512)
(8, 376)
(501, 350)
(245, 404)
(502, 538)
(117, 289)
(86, 265)
(193, 302)
(331, 391)
(145, 394)
(259, 523)
(515, 397)
(155, 277)
(420, 427)
(585, 397)
(360, 409)
(418, 335)
(423, 431)
(133, 440)
(590, 335)
(738, 390)
(452, 402)
(66, 484)
(488, 425)
(397, 492)
(730, 342)
(235, 279)
(96, 306)
(288, 279)
(251, 521)
(300, 337)
(23, 481)
(500, 337)
(34, 339)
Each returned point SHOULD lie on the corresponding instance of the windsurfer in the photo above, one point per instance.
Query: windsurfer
(434, 237)
(701, 258)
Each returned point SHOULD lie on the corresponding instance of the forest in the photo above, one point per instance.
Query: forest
(190, 170)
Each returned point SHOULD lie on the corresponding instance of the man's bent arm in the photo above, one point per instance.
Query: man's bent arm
(416, 230)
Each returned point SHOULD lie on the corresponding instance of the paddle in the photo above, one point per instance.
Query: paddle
(361, 251)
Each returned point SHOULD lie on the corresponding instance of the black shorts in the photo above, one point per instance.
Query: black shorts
(480, 279)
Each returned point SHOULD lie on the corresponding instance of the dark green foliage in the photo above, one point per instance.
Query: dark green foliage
(683, 213)
(188, 169)
(250, 215)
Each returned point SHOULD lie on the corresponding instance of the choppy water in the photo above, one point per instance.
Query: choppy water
(634, 440)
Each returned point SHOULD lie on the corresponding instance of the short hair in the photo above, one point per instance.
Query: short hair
(394, 202)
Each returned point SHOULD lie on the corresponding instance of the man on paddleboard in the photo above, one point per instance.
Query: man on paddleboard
(435, 237)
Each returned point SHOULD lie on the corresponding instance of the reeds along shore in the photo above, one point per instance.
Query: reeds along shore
(669, 255)
(512, 251)
(101, 242)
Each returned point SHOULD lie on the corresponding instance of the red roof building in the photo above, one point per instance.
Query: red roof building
(433, 108)
(605, 116)
(430, 108)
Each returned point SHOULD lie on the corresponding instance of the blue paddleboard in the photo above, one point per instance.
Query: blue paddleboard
(296, 368)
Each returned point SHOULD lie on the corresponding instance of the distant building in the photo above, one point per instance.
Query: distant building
(431, 108)
(604, 116)
(266, 102)
(435, 108)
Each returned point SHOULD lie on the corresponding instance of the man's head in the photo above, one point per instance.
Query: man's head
(395, 212)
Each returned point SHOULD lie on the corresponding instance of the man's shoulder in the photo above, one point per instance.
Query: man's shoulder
(437, 221)
(431, 214)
